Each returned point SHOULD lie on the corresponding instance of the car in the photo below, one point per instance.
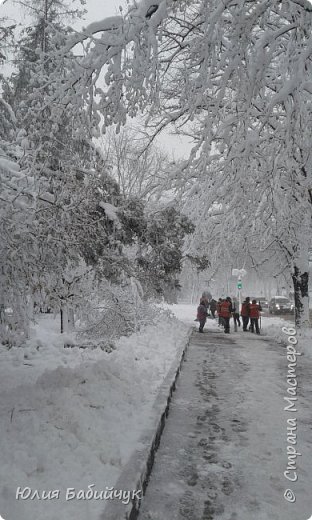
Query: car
(280, 305)
(263, 302)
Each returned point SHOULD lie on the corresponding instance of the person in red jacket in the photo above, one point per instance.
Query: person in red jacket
(225, 313)
(202, 314)
(245, 310)
(254, 314)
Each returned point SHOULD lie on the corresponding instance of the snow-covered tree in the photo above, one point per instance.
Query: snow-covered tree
(139, 169)
(236, 75)
(253, 157)
(160, 251)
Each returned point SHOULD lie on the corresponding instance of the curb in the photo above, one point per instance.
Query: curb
(137, 471)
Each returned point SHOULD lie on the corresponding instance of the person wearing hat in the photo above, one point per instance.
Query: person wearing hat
(245, 310)
(213, 307)
(202, 314)
(235, 310)
(220, 319)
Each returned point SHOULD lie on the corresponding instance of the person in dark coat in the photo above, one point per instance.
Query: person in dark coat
(213, 307)
(220, 319)
(202, 314)
(245, 311)
(235, 312)
(254, 314)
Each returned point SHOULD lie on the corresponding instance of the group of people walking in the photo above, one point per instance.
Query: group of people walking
(227, 308)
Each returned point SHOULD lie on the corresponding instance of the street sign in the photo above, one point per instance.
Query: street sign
(240, 273)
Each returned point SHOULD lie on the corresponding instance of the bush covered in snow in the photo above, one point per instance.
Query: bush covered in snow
(119, 311)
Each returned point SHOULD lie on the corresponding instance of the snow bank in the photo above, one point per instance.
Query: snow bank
(274, 327)
(71, 418)
(188, 312)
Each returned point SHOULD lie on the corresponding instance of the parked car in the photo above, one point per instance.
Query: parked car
(280, 305)
(263, 302)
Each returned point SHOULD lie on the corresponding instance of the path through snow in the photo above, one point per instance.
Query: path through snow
(224, 449)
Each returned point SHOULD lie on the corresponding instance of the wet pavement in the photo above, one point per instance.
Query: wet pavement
(223, 453)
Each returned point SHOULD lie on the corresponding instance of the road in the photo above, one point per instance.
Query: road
(223, 452)
(287, 317)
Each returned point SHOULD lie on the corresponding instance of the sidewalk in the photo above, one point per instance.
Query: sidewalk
(223, 452)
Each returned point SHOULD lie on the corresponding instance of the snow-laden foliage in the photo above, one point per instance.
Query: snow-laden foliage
(17, 256)
(237, 77)
(252, 163)
(118, 310)
(139, 168)
(183, 57)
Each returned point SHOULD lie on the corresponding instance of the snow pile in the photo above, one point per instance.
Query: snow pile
(72, 417)
(184, 312)
(274, 327)
(188, 312)
(121, 312)
(111, 212)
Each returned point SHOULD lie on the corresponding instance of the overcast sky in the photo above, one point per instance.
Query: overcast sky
(102, 8)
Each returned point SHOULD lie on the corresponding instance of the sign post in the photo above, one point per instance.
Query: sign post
(240, 273)
(239, 287)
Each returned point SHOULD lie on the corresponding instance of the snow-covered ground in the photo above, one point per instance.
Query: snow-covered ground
(277, 328)
(71, 417)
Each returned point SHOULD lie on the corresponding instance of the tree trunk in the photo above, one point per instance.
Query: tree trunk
(2, 309)
(301, 292)
(70, 319)
(194, 287)
(67, 318)
(3, 335)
